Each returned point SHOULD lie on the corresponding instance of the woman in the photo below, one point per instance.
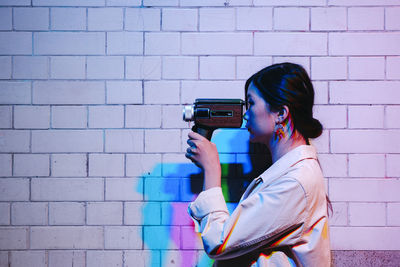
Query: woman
(281, 219)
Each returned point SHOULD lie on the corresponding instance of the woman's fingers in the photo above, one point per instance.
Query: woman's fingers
(195, 136)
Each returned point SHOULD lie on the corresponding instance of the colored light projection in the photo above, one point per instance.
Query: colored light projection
(168, 231)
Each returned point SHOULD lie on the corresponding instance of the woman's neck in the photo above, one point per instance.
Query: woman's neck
(280, 148)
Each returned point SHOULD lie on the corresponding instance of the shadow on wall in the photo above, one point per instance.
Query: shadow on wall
(168, 233)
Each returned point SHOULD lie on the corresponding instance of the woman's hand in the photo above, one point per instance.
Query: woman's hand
(204, 154)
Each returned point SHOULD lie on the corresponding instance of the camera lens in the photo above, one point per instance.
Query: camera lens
(188, 113)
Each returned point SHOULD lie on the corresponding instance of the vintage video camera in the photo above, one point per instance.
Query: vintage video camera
(210, 114)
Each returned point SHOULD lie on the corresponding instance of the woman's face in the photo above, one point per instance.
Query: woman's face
(260, 120)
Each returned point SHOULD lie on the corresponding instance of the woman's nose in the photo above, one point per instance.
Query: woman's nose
(246, 117)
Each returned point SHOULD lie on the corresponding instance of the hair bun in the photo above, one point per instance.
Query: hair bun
(314, 130)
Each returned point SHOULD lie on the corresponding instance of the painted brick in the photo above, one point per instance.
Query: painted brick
(68, 19)
(104, 258)
(124, 3)
(217, 43)
(172, 257)
(253, 18)
(366, 68)
(142, 258)
(373, 190)
(66, 67)
(392, 166)
(32, 117)
(69, 117)
(367, 214)
(72, 3)
(15, 92)
(180, 68)
(142, 165)
(31, 18)
(328, 18)
(161, 189)
(146, 68)
(67, 258)
(324, 114)
(247, 66)
(31, 165)
(289, 3)
(299, 18)
(179, 19)
(371, 165)
(106, 117)
(5, 214)
(368, 92)
(14, 189)
(14, 141)
(106, 165)
(15, 43)
(339, 216)
(5, 19)
(3, 258)
(123, 237)
(364, 238)
(67, 189)
(191, 240)
(67, 141)
(124, 43)
(16, 2)
(162, 237)
(124, 141)
(322, 143)
(28, 258)
(208, 3)
(124, 189)
(320, 92)
(13, 238)
(107, 213)
(365, 18)
(328, 68)
(393, 210)
(5, 165)
(143, 116)
(66, 213)
(69, 43)
(365, 141)
(142, 19)
(124, 92)
(162, 43)
(364, 44)
(393, 67)
(177, 165)
(360, 3)
(170, 115)
(207, 89)
(25, 213)
(366, 116)
(217, 67)
(5, 117)
(142, 213)
(160, 2)
(175, 213)
(71, 92)
(333, 165)
(294, 44)
(105, 19)
(156, 141)
(5, 66)
(67, 237)
(161, 92)
(105, 67)
(68, 165)
(391, 18)
(217, 19)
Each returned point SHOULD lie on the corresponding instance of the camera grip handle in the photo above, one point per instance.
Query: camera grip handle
(205, 132)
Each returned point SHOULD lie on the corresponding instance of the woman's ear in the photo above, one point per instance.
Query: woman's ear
(282, 114)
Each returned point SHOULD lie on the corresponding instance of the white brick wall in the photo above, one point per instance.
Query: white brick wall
(92, 171)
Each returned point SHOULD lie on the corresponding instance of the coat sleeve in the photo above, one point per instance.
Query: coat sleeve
(273, 216)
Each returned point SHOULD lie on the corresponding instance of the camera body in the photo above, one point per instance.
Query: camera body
(210, 114)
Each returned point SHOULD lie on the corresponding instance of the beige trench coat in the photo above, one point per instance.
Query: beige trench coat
(281, 219)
